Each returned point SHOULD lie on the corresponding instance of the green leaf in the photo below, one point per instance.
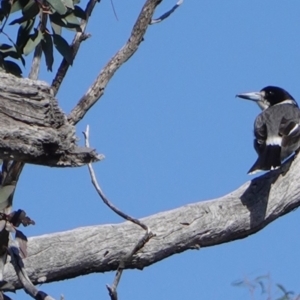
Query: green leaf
(63, 48)
(6, 191)
(68, 21)
(6, 7)
(30, 10)
(23, 3)
(2, 15)
(68, 3)
(23, 33)
(72, 20)
(12, 68)
(79, 12)
(58, 6)
(15, 7)
(8, 50)
(47, 47)
(18, 21)
(55, 28)
(33, 41)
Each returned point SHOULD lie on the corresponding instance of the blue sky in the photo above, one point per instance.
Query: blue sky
(173, 133)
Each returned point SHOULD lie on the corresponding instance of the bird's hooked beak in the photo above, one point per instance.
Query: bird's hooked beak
(253, 96)
(257, 97)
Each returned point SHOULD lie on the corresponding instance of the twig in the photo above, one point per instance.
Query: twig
(167, 14)
(140, 244)
(36, 62)
(114, 10)
(96, 90)
(29, 288)
(79, 37)
(100, 192)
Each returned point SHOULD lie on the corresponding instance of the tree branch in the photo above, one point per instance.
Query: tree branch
(79, 37)
(234, 216)
(96, 90)
(36, 62)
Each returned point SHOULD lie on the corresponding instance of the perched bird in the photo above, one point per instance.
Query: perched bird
(276, 128)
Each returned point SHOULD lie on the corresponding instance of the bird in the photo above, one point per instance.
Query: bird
(276, 128)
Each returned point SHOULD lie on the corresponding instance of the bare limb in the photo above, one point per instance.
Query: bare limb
(79, 37)
(96, 90)
(167, 14)
(237, 215)
(139, 245)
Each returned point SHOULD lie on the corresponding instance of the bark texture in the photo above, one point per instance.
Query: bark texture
(234, 216)
(33, 129)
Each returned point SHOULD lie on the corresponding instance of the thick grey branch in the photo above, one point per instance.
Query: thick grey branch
(234, 216)
(96, 90)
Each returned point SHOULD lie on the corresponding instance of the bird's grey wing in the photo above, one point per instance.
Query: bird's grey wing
(260, 133)
(289, 129)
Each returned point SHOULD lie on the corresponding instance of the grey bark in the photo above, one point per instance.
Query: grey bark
(234, 216)
(33, 129)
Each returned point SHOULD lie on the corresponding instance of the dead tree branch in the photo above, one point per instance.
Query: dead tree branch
(96, 90)
(234, 216)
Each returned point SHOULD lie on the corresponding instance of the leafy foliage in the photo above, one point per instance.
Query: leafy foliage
(36, 15)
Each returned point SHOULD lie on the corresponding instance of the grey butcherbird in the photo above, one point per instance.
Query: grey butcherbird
(276, 128)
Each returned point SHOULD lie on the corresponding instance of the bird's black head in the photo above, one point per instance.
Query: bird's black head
(275, 95)
(269, 96)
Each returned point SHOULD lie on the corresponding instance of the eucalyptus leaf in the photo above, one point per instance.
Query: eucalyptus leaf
(23, 33)
(18, 21)
(23, 3)
(8, 50)
(15, 7)
(68, 3)
(22, 241)
(12, 68)
(63, 48)
(55, 28)
(58, 19)
(7, 190)
(33, 41)
(47, 47)
(63, 21)
(6, 6)
(72, 20)
(31, 9)
(79, 12)
(58, 6)
(2, 15)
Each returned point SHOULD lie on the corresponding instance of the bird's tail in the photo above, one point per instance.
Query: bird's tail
(268, 160)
